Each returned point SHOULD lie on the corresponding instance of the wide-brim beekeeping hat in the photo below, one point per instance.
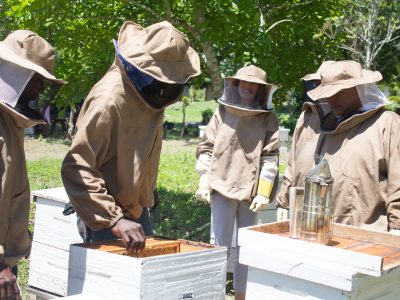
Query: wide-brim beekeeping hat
(342, 75)
(30, 51)
(159, 50)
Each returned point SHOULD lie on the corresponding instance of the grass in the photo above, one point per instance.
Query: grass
(178, 215)
(174, 113)
(43, 174)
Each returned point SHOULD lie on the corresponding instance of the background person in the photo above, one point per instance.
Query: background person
(306, 133)
(238, 159)
(361, 141)
(26, 66)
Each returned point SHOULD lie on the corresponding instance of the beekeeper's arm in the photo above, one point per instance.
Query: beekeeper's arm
(203, 153)
(268, 166)
(85, 183)
(282, 198)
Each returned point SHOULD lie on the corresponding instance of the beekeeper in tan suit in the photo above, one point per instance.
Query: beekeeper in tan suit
(111, 168)
(310, 118)
(26, 66)
(360, 139)
(238, 159)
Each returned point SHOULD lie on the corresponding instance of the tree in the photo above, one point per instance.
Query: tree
(278, 36)
(368, 27)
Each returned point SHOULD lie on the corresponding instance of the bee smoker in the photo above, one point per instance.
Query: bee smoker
(317, 212)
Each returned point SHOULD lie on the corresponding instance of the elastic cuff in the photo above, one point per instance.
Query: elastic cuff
(113, 222)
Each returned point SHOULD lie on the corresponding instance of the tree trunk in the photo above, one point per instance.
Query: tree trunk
(183, 119)
(71, 127)
(211, 62)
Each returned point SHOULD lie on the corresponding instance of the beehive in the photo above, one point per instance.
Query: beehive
(357, 264)
(167, 269)
(53, 234)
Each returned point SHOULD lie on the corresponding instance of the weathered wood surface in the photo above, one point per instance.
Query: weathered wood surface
(280, 286)
(350, 267)
(48, 269)
(354, 239)
(53, 234)
(57, 194)
(52, 228)
(197, 270)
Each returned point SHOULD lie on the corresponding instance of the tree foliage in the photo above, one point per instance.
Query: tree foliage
(368, 27)
(287, 38)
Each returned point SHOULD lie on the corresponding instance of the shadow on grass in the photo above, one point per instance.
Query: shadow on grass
(173, 131)
(179, 215)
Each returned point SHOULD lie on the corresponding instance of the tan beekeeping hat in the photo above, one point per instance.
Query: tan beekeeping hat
(30, 51)
(159, 50)
(342, 75)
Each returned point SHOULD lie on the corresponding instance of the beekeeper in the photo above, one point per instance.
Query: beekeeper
(26, 71)
(110, 171)
(312, 113)
(360, 139)
(238, 159)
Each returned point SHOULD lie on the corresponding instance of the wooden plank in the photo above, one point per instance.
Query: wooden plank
(328, 274)
(364, 263)
(154, 246)
(262, 284)
(83, 297)
(271, 228)
(351, 238)
(52, 227)
(48, 269)
(362, 234)
(57, 194)
(200, 274)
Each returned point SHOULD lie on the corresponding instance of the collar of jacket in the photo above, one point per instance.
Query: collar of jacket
(20, 120)
(349, 123)
(127, 80)
(242, 111)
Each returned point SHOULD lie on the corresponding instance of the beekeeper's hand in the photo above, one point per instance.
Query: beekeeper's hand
(131, 233)
(282, 214)
(259, 202)
(394, 231)
(8, 285)
(203, 192)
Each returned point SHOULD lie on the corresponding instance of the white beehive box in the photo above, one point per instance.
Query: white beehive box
(357, 264)
(172, 270)
(53, 234)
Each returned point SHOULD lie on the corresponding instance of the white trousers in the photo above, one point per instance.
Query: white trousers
(224, 213)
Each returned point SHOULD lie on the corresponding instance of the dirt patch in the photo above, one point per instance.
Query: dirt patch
(36, 149)
(175, 146)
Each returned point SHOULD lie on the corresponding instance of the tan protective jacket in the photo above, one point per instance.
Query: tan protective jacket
(236, 139)
(363, 153)
(111, 168)
(15, 241)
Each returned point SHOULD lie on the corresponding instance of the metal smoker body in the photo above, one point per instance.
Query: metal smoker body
(317, 212)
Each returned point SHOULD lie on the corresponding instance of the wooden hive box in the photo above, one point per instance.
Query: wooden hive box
(357, 264)
(167, 269)
(53, 234)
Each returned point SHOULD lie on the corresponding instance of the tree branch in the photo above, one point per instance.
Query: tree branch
(276, 23)
(145, 8)
(175, 21)
(199, 229)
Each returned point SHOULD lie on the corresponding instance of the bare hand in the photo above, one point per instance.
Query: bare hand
(132, 235)
(9, 289)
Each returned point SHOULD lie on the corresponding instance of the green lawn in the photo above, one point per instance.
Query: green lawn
(178, 214)
(174, 113)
